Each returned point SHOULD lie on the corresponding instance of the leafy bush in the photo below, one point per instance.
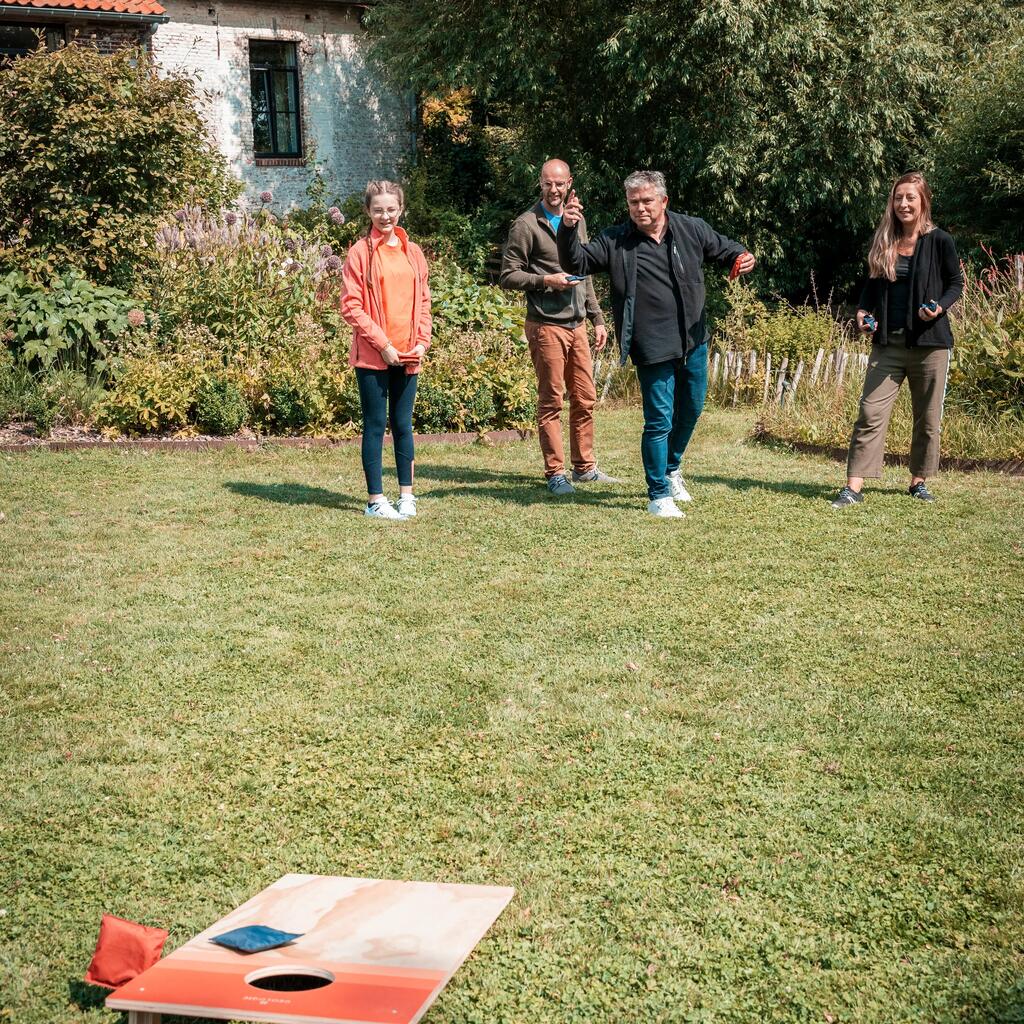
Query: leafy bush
(46, 399)
(470, 381)
(220, 407)
(987, 368)
(66, 320)
(476, 382)
(21, 395)
(93, 149)
(459, 303)
(785, 331)
(156, 390)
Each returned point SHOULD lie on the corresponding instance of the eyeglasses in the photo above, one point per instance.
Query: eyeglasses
(554, 184)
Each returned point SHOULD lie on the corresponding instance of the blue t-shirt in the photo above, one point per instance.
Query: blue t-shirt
(554, 219)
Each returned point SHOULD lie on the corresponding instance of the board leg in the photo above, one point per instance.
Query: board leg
(143, 1017)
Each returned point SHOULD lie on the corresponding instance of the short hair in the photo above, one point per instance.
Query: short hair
(641, 179)
(380, 188)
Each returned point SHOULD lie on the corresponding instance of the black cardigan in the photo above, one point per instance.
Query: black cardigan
(934, 274)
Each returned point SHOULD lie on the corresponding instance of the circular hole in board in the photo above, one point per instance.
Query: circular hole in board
(289, 979)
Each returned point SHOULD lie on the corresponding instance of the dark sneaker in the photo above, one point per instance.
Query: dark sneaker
(558, 484)
(847, 497)
(593, 476)
(920, 492)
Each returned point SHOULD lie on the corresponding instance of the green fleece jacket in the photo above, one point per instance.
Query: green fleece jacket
(531, 253)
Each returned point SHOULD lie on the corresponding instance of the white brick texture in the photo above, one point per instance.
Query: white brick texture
(357, 129)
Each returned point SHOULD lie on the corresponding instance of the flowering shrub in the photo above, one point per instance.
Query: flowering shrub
(243, 277)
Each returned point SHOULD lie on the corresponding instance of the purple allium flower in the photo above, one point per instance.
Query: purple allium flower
(326, 250)
(334, 263)
(294, 267)
(290, 244)
(266, 196)
(179, 214)
(136, 317)
(230, 218)
(337, 217)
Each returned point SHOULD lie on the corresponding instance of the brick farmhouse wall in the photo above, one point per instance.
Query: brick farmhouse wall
(356, 128)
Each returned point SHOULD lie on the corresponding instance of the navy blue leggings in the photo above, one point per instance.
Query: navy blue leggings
(379, 389)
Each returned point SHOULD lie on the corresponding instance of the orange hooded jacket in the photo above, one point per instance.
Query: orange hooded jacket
(362, 308)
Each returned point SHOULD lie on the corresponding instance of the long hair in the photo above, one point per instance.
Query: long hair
(882, 254)
(382, 188)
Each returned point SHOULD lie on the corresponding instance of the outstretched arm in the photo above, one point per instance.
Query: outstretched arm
(726, 252)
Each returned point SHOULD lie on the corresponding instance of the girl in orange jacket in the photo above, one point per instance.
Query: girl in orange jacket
(386, 300)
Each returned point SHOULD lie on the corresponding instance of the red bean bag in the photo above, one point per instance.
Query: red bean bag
(123, 951)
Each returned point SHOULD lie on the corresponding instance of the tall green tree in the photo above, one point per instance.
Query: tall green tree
(978, 151)
(781, 121)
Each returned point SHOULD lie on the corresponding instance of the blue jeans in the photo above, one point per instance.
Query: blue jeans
(379, 390)
(673, 395)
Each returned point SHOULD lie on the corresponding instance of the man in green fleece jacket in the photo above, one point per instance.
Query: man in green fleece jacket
(557, 308)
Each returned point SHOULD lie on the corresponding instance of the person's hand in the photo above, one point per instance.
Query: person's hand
(559, 282)
(420, 351)
(600, 337)
(572, 210)
(390, 356)
(745, 264)
(928, 314)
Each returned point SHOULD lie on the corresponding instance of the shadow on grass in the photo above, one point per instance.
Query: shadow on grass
(510, 488)
(86, 996)
(295, 494)
(742, 483)
(468, 475)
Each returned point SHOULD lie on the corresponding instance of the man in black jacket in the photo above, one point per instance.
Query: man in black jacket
(654, 262)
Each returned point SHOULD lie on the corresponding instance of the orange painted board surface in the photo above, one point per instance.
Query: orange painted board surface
(388, 947)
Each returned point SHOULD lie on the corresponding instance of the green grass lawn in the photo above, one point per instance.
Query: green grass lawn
(761, 764)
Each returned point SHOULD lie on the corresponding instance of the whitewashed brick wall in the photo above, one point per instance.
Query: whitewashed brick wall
(360, 130)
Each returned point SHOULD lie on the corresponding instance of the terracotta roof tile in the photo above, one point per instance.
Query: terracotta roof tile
(142, 7)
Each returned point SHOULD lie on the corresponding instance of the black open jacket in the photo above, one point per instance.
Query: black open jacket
(934, 274)
(614, 252)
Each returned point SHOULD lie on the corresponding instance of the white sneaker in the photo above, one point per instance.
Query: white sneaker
(407, 505)
(678, 485)
(664, 508)
(383, 509)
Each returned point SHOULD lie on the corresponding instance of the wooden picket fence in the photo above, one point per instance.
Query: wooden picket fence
(735, 377)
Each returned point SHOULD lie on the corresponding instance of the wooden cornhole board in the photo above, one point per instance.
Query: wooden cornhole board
(388, 948)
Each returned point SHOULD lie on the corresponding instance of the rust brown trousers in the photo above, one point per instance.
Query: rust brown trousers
(561, 356)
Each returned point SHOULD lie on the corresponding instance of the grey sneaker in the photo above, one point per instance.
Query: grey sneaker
(594, 476)
(558, 484)
(847, 497)
(920, 492)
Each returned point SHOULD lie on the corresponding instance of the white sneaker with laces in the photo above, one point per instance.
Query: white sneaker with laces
(383, 509)
(407, 505)
(664, 508)
(678, 485)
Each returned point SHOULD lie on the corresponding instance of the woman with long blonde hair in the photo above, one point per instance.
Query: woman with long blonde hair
(386, 301)
(914, 277)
